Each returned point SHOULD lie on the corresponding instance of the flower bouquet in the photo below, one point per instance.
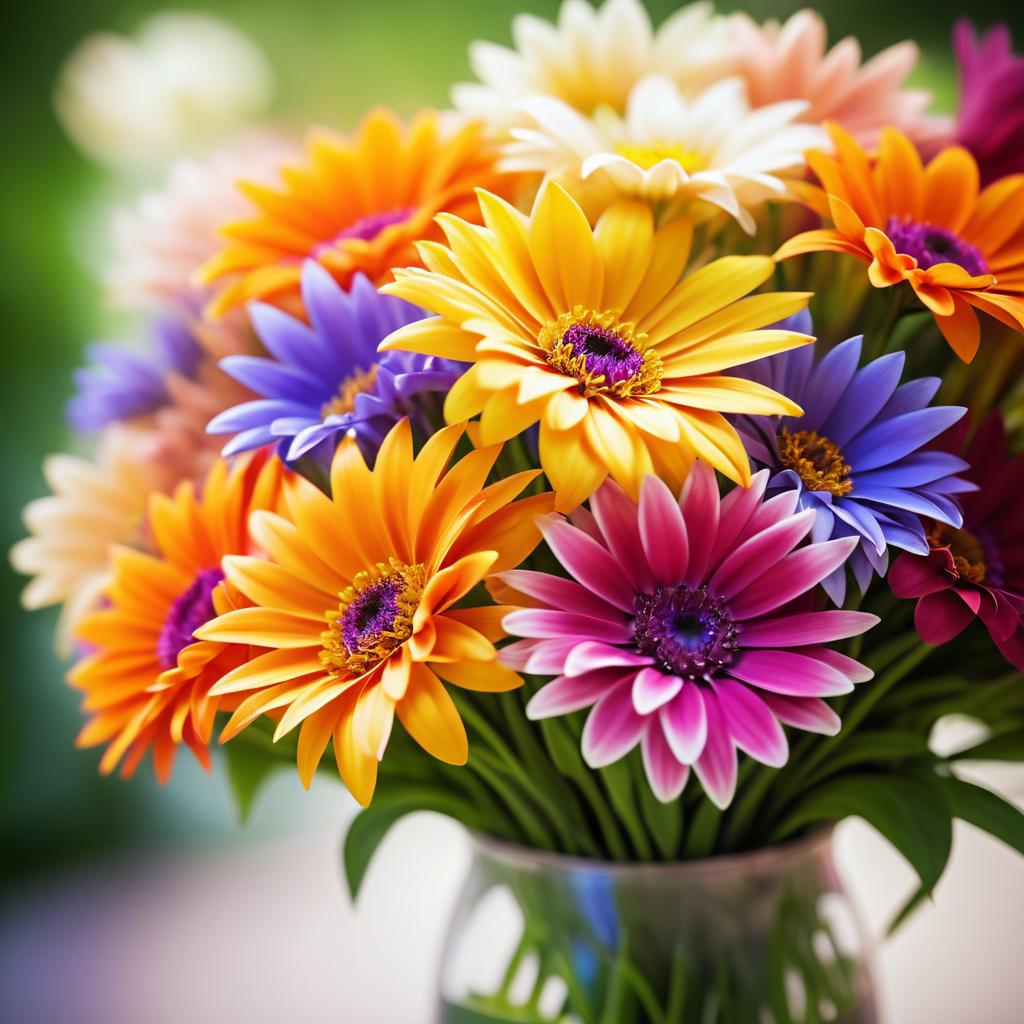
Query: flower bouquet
(640, 434)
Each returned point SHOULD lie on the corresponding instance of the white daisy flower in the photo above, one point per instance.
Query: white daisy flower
(667, 147)
(594, 56)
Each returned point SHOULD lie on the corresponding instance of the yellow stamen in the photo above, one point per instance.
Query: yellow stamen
(345, 400)
(561, 357)
(646, 155)
(345, 658)
(816, 460)
(967, 551)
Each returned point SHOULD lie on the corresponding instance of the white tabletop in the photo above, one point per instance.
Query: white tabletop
(261, 930)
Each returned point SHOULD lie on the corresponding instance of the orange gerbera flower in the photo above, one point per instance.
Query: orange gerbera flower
(147, 682)
(959, 249)
(357, 204)
(356, 602)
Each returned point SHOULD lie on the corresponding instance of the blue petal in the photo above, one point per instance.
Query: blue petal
(915, 394)
(918, 468)
(826, 385)
(865, 398)
(889, 440)
(260, 412)
(247, 440)
(287, 339)
(277, 380)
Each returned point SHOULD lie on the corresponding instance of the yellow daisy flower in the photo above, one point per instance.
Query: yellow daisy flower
(596, 334)
(355, 602)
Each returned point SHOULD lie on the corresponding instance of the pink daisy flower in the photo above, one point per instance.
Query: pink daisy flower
(687, 628)
(790, 62)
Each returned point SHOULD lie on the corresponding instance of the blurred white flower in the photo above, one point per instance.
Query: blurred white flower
(183, 80)
(594, 57)
(668, 147)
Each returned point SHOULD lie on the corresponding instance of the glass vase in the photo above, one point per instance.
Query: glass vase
(767, 937)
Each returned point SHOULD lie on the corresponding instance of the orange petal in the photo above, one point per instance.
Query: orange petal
(431, 718)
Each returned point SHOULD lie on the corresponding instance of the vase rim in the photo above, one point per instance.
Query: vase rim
(775, 855)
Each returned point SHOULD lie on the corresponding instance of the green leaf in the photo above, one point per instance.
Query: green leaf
(664, 821)
(911, 813)
(248, 768)
(984, 809)
(618, 781)
(873, 747)
(372, 824)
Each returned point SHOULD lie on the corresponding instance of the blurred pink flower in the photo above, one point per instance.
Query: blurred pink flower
(162, 238)
(990, 118)
(789, 62)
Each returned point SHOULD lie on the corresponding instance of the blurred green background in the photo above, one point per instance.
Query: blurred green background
(331, 58)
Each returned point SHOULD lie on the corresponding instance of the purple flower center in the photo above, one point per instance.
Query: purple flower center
(929, 245)
(368, 228)
(604, 352)
(371, 614)
(191, 610)
(689, 632)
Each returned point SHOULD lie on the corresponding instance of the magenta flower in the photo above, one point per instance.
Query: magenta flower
(976, 571)
(990, 118)
(687, 627)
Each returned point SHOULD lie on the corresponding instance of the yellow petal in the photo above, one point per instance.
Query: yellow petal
(485, 676)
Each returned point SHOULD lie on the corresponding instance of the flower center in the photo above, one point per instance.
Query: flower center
(647, 154)
(369, 227)
(816, 460)
(929, 245)
(967, 550)
(689, 632)
(344, 401)
(191, 610)
(602, 354)
(374, 617)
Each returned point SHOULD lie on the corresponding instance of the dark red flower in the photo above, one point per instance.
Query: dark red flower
(978, 570)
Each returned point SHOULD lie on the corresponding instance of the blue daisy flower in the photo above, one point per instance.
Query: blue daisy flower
(325, 379)
(858, 455)
(122, 384)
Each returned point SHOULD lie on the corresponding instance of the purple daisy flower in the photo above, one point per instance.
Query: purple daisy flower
(990, 118)
(325, 379)
(687, 626)
(857, 455)
(121, 384)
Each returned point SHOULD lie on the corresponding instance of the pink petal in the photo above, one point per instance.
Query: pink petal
(665, 774)
(662, 531)
(807, 713)
(700, 505)
(916, 575)
(566, 694)
(685, 723)
(787, 672)
(751, 724)
(542, 623)
(652, 689)
(583, 519)
(853, 670)
(736, 510)
(782, 506)
(808, 628)
(758, 555)
(589, 562)
(613, 728)
(794, 575)
(540, 657)
(593, 654)
(557, 592)
(716, 766)
(940, 617)
(616, 515)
